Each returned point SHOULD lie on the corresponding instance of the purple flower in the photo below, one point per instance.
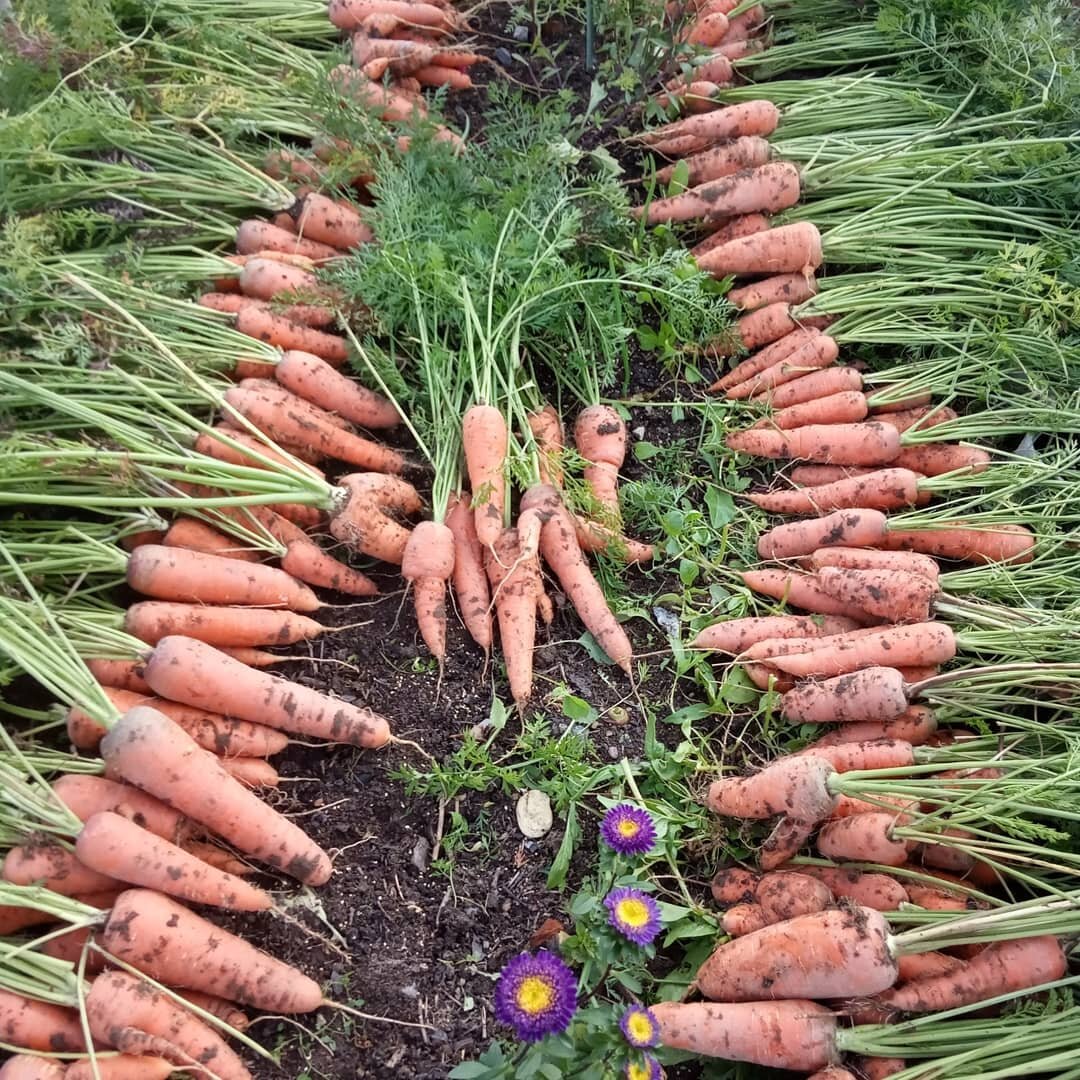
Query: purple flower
(640, 1027)
(635, 914)
(628, 830)
(646, 1069)
(536, 995)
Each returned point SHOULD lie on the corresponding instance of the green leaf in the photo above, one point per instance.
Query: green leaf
(556, 878)
(589, 644)
(643, 451)
(721, 507)
(688, 572)
(680, 179)
(575, 708)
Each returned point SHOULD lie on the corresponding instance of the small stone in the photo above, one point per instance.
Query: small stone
(502, 57)
(618, 716)
(639, 431)
(533, 812)
(421, 853)
(613, 753)
(520, 33)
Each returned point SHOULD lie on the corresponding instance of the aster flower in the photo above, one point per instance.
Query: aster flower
(639, 1026)
(628, 830)
(536, 995)
(635, 914)
(646, 1069)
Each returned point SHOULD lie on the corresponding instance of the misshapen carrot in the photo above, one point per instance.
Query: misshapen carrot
(597, 538)
(982, 544)
(312, 378)
(36, 1025)
(428, 564)
(746, 152)
(732, 229)
(816, 352)
(741, 919)
(768, 189)
(547, 431)
(264, 325)
(370, 92)
(786, 249)
(870, 694)
(865, 838)
(485, 440)
(899, 596)
(811, 387)
(470, 578)
(253, 237)
(197, 785)
(867, 889)
(735, 635)
(600, 438)
(869, 443)
(844, 528)
(801, 591)
(365, 523)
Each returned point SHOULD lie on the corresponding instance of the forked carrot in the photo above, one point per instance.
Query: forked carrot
(365, 523)
(428, 564)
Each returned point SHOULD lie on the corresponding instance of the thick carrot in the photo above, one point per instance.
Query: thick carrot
(331, 221)
(86, 795)
(898, 596)
(125, 1012)
(255, 236)
(819, 351)
(195, 535)
(745, 24)
(29, 1067)
(787, 249)
(120, 849)
(350, 14)
(933, 459)
(562, 552)
(755, 329)
(45, 862)
(151, 620)
(364, 523)
(801, 591)
(867, 889)
(175, 946)
(744, 118)
(428, 563)
(915, 725)
(547, 431)
(470, 578)
(70, 947)
(811, 387)
(264, 325)
(196, 784)
(829, 954)
(921, 644)
(769, 648)
(781, 288)
(706, 30)
(36, 1025)
(281, 414)
(732, 229)
(786, 894)
(194, 673)
(768, 189)
(121, 1067)
(313, 379)
(736, 635)
(485, 439)
(123, 674)
(846, 407)
(865, 838)
(798, 1034)
(600, 438)
(844, 528)
(870, 694)
(872, 559)
(746, 152)
(983, 544)
(734, 885)
(870, 443)
(514, 576)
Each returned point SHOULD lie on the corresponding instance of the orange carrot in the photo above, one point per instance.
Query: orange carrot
(70, 947)
(882, 489)
(767, 189)
(732, 229)
(331, 221)
(562, 552)
(264, 325)
(428, 564)
(219, 1007)
(438, 75)
(787, 249)
(29, 1067)
(738, 49)
(47, 863)
(195, 535)
(898, 596)
(182, 669)
(925, 416)
(783, 288)
(283, 164)
(734, 885)
(865, 838)
(116, 847)
(176, 947)
(281, 414)
(600, 438)
(871, 443)
(151, 620)
(846, 407)
(215, 446)
(813, 475)
(122, 1067)
(845, 528)
(197, 785)
(129, 1014)
(547, 430)
(86, 795)
(818, 351)
(745, 24)
(707, 29)
(313, 379)
(254, 236)
(514, 576)
(877, 891)
(485, 439)
(808, 388)
(742, 919)
(193, 576)
(915, 725)
(735, 635)
(801, 591)
(470, 578)
(765, 358)
(123, 674)
(786, 894)
(746, 152)
(350, 14)
(983, 544)
(871, 559)
(700, 132)
(270, 279)
(879, 1068)
(364, 523)
(921, 644)
(833, 1072)
(869, 694)
(933, 459)
(755, 329)
(370, 93)
(252, 772)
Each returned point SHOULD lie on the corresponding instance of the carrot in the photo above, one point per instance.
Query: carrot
(485, 439)
(1001, 967)
(281, 414)
(784, 288)
(770, 648)
(933, 459)
(872, 559)
(176, 574)
(313, 379)
(882, 489)
(277, 330)
(428, 564)
(898, 596)
(600, 438)
(305, 560)
(86, 795)
(767, 189)
(370, 93)
(36, 1025)
(921, 644)
(808, 388)
(254, 236)
(865, 838)
(562, 552)
(197, 785)
(331, 221)
(514, 579)
(350, 14)
(924, 415)
(844, 528)
(732, 229)
(833, 1072)
(765, 358)
(798, 1034)
(194, 673)
(746, 152)
(547, 431)
(813, 475)
(151, 620)
(269, 279)
(801, 591)
(707, 29)
(870, 694)
(916, 966)
(215, 447)
(741, 919)
(701, 132)
(122, 1067)
(47, 863)
(879, 1068)
(252, 772)
(123, 674)
(217, 857)
(70, 947)
(283, 164)
(364, 522)
(871, 890)
(195, 535)
(915, 725)
(984, 544)
(734, 885)
(793, 787)
(846, 407)
(118, 848)
(816, 352)
(760, 327)
(470, 578)
(219, 1007)
(14, 918)
(743, 25)
(738, 49)
(127, 1013)
(597, 538)
(736, 635)
(786, 894)
(716, 69)
(787, 249)
(870, 443)
(175, 946)
(28, 1067)
(438, 75)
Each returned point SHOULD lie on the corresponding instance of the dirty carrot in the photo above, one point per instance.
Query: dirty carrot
(485, 439)
(600, 438)
(470, 578)
(428, 564)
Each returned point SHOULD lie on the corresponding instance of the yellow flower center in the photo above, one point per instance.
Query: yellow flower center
(632, 912)
(628, 829)
(640, 1028)
(535, 995)
(637, 1072)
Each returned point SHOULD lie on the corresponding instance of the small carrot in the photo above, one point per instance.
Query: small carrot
(810, 387)
(845, 407)
(485, 439)
(331, 221)
(732, 229)
(734, 885)
(801, 591)
(438, 75)
(600, 438)
(786, 249)
(742, 919)
(283, 164)
(736, 635)
(870, 443)
(264, 325)
(844, 528)
(252, 772)
(428, 564)
(254, 236)
(364, 522)
(313, 379)
(815, 352)
(765, 358)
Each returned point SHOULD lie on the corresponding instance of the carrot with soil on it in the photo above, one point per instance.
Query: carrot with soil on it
(769, 189)
(485, 439)
(313, 379)
(873, 559)
(547, 432)
(781, 288)
(801, 591)
(331, 221)
(284, 333)
(365, 523)
(844, 407)
(470, 577)
(764, 358)
(735, 635)
(600, 438)
(195, 535)
(85, 795)
(807, 388)
(844, 528)
(121, 1067)
(732, 229)
(428, 565)
(700, 132)
(151, 620)
(814, 353)
(254, 237)
(745, 152)
(785, 249)
(868, 443)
